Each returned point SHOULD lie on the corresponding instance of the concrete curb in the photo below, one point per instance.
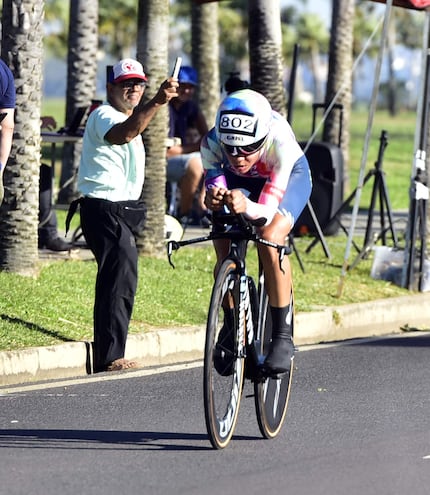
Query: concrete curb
(173, 345)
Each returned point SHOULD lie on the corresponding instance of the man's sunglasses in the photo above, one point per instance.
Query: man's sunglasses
(243, 150)
(131, 83)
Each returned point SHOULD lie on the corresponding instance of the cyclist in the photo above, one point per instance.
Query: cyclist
(255, 166)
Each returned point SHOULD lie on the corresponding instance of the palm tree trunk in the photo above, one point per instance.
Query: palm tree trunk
(205, 57)
(152, 51)
(81, 84)
(22, 50)
(265, 51)
(340, 77)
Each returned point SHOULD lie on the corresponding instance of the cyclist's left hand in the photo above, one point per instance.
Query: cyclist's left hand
(235, 201)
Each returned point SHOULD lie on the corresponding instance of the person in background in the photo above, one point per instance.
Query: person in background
(47, 231)
(110, 178)
(7, 123)
(234, 83)
(184, 163)
(253, 148)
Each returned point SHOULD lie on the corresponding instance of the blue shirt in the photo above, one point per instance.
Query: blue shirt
(182, 119)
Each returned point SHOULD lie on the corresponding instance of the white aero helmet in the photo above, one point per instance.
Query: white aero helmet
(243, 121)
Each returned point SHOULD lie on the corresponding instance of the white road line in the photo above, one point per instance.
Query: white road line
(177, 367)
(99, 378)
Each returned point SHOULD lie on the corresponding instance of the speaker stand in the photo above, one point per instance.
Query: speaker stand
(380, 191)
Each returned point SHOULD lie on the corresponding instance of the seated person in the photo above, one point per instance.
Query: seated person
(184, 163)
(48, 237)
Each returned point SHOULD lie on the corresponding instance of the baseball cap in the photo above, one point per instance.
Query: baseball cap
(128, 69)
(187, 75)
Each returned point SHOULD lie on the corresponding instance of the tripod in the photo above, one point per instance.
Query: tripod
(379, 191)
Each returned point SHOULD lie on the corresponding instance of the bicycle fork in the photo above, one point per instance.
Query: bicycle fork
(246, 323)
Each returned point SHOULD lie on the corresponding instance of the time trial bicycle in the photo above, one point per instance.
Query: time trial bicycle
(238, 334)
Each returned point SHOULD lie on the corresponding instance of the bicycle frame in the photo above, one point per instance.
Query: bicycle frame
(236, 333)
(247, 231)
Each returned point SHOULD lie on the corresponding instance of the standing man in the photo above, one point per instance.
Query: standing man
(7, 112)
(110, 178)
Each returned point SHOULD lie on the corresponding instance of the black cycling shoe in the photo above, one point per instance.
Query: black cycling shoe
(281, 353)
(223, 357)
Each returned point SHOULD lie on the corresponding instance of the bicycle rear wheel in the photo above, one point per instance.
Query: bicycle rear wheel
(223, 359)
(271, 394)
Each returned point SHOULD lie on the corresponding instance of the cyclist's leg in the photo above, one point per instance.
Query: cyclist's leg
(221, 247)
(279, 289)
(279, 282)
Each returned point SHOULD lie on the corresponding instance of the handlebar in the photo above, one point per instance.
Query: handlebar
(235, 228)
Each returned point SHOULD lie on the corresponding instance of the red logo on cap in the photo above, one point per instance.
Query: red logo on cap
(127, 66)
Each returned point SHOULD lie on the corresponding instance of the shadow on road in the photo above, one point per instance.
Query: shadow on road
(105, 439)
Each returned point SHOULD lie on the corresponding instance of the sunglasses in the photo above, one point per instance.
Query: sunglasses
(131, 83)
(244, 150)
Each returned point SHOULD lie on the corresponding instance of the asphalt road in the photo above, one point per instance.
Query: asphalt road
(358, 423)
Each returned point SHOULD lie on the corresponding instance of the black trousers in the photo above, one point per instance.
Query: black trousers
(114, 247)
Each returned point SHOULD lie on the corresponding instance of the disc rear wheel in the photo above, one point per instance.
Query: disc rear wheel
(271, 394)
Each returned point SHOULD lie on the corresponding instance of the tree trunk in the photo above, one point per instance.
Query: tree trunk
(152, 51)
(205, 57)
(22, 50)
(340, 77)
(265, 51)
(81, 84)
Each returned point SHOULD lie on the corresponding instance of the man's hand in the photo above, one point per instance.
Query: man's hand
(167, 91)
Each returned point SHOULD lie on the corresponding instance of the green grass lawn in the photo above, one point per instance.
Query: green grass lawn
(57, 306)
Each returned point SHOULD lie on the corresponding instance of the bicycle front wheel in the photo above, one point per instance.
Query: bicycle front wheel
(224, 358)
(271, 394)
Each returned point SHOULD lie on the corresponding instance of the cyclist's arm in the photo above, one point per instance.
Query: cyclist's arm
(281, 155)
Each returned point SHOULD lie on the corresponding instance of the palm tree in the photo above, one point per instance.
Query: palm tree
(340, 77)
(152, 50)
(205, 57)
(81, 83)
(22, 50)
(312, 35)
(265, 51)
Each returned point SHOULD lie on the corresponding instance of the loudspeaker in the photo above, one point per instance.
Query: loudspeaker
(326, 164)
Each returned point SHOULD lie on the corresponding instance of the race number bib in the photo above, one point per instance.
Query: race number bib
(237, 123)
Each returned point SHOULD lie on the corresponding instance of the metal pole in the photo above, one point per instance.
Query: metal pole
(419, 192)
(372, 109)
(292, 85)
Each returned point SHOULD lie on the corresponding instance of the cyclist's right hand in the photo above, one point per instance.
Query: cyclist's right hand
(214, 199)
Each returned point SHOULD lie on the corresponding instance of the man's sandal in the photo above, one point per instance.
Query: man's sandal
(121, 364)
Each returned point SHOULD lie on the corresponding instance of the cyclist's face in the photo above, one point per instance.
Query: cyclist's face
(243, 164)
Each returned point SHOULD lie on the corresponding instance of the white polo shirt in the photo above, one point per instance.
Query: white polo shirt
(115, 172)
